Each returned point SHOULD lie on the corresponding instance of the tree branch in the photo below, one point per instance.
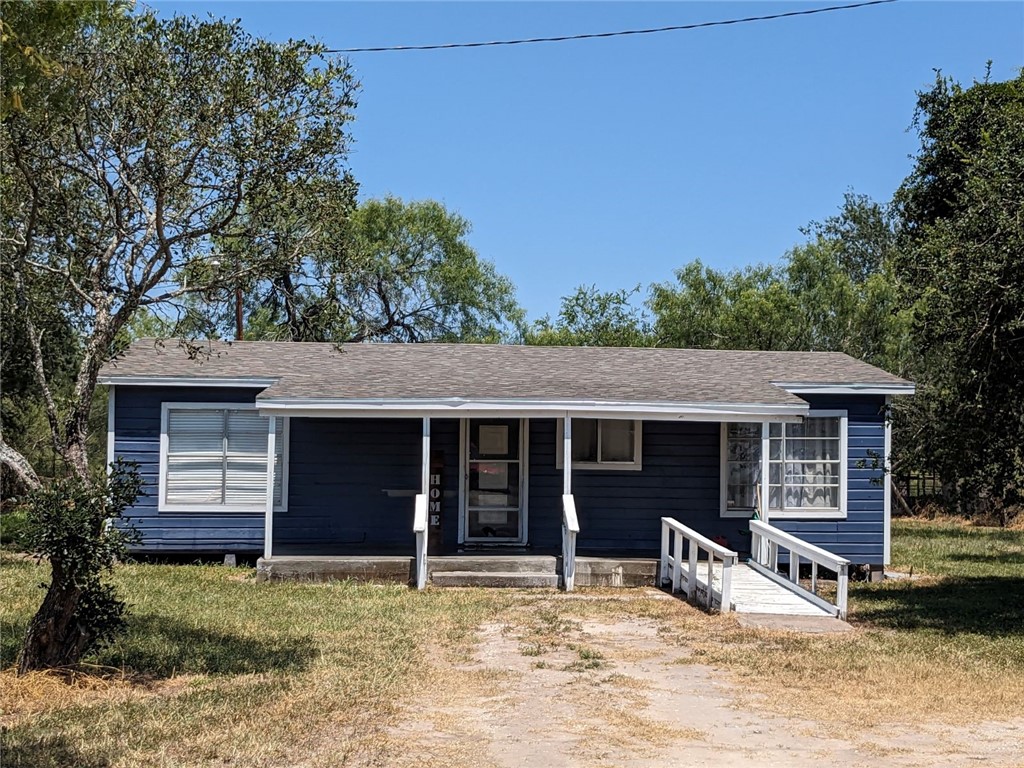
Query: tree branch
(18, 464)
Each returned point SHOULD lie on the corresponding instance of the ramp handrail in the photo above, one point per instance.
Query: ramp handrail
(419, 527)
(570, 527)
(673, 534)
(766, 540)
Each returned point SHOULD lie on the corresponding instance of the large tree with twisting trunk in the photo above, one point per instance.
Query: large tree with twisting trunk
(155, 138)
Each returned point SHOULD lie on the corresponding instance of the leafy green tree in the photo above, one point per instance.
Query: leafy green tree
(34, 37)
(593, 318)
(961, 265)
(863, 234)
(386, 270)
(808, 302)
(175, 130)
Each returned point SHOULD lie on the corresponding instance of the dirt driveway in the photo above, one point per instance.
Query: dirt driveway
(543, 691)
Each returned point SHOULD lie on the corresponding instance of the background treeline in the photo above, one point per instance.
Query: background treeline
(927, 285)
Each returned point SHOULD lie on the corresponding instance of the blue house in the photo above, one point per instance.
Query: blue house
(301, 450)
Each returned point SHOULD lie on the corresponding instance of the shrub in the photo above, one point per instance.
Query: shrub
(71, 523)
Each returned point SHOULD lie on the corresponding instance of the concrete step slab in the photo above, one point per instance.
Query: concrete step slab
(616, 571)
(523, 579)
(494, 563)
(390, 569)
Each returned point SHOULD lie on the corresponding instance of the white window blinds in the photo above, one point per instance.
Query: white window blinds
(217, 457)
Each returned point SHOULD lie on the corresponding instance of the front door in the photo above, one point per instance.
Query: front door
(494, 482)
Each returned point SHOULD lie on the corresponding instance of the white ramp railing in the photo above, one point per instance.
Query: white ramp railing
(570, 527)
(419, 527)
(673, 536)
(767, 540)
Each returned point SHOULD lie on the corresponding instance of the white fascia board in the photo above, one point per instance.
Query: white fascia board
(459, 407)
(185, 381)
(805, 388)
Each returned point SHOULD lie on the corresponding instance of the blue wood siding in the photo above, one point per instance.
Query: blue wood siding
(339, 473)
(860, 537)
(137, 437)
(339, 470)
(621, 511)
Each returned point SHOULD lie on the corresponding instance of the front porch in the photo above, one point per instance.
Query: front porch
(466, 570)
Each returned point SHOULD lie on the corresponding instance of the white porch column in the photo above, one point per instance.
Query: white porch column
(268, 520)
(765, 447)
(567, 456)
(425, 483)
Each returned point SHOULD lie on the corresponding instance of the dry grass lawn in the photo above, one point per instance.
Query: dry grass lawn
(219, 669)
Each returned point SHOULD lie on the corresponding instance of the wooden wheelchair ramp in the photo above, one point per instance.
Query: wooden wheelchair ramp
(712, 576)
(752, 592)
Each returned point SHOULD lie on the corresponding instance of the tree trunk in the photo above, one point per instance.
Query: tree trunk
(54, 637)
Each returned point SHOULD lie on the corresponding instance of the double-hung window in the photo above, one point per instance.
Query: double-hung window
(213, 458)
(798, 467)
(603, 444)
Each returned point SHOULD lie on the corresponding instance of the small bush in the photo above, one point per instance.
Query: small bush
(70, 522)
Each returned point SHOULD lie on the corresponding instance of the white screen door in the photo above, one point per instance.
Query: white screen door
(494, 481)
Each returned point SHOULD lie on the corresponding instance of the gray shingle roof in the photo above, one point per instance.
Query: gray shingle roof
(307, 371)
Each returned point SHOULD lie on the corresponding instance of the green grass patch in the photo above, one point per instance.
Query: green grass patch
(967, 600)
(217, 667)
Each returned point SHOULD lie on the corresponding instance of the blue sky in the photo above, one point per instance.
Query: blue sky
(614, 162)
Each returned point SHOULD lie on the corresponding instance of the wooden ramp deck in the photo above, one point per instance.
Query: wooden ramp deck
(710, 574)
(752, 592)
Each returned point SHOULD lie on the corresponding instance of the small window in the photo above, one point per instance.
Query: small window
(602, 444)
(214, 458)
(806, 467)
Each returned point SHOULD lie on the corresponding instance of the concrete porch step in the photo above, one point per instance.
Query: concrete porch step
(539, 564)
(616, 571)
(489, 578)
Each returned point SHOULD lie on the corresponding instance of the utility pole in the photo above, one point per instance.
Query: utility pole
(238, 313)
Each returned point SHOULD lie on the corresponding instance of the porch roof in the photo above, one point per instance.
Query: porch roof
(427, 376)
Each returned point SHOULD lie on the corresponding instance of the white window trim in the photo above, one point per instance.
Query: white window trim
(792, 513)
(636, 465)
(723, 471)
(233, 509)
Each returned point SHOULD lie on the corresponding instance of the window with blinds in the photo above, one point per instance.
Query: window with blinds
(216, 457)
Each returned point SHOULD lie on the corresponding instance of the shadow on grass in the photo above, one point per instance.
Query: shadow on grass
(1000, 558)
(945, 532)
(156, 646)
(992, 606)
(52, 751)
(162, 646)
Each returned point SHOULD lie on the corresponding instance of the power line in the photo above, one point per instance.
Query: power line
(623, 33)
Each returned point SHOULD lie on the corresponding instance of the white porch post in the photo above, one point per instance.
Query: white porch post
(425, 482)
(420, 525)
(765, 480)
(567, 456)
(570, 522)
(268, 520)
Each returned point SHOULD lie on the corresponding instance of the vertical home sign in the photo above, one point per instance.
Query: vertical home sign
(435, 502)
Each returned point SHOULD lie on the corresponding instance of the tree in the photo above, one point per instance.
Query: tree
(593, 318)
(808, 302)
(387, 270)
(33, 35)
(863, 233)
(175, 130)
(960, 266)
